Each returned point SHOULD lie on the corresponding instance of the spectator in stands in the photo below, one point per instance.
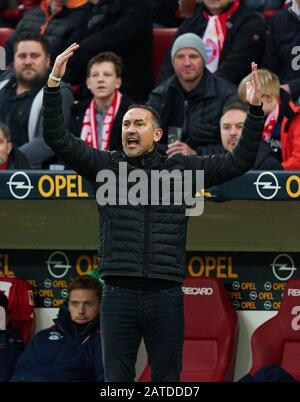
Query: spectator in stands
(11, 11)
(98, 122)
(262, 5)
(53, 19)
(10, 157)
(164, 13)
(21, 97)
(11, 344)
(282, 56)
(233, 35)
(282, 125)
(125, 28)
(71, 349)
(192, 99)
(231, 125)
(143, 245)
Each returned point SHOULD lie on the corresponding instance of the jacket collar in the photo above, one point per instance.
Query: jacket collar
(67, 326)
(149, 160)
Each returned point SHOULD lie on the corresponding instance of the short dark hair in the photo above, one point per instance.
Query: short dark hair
(32, 36)
(106, 56)
(86, 282)
(155, 115)
(6, 131)
(235, 106)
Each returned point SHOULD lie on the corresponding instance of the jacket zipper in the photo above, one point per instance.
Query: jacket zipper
(146, 225)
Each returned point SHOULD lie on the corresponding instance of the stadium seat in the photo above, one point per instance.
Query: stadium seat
(5, 34)
(162, 38)
(20, 305)
(277, 341)
(269, 12)
(211, 332)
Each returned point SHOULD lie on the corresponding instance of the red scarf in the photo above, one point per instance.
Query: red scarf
(89, 131)
(217, 28)
(4, 166)
(271, 122)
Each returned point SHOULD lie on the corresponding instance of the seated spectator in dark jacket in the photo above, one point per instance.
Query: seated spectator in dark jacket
(231, 125)
(53, 19)
(11, 344)
(282, 125)
(71, 349)
(282, 48)
(21, 94)
(234, 36)
(10, 157)
(192, 100)
(125, 28)
(164, 13)
(99, 122)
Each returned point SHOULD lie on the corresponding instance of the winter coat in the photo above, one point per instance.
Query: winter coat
(197, 112)
(62, 353)
(11, 346)
(145, 240)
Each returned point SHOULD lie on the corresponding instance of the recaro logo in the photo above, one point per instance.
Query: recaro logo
(198, 291)
(294, 292)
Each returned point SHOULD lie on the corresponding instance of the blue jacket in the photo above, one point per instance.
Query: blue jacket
(11, 346)
(63, 353)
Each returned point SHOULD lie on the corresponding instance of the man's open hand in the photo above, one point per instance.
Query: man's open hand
(60, 64)
(253, 88)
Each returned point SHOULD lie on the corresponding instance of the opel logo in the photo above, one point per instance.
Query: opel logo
(19, 185)
(58, 264)
(267, 185)
(283, 267)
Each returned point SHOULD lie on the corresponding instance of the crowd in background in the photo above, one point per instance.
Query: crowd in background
(113, 68)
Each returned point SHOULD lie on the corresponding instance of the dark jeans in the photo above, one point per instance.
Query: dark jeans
(127, 316)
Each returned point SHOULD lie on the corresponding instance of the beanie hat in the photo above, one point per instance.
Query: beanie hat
(189, 40)
(3, 300)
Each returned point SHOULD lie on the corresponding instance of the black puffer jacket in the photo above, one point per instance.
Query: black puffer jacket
(244, 43)
(197, 112)
(145, 241)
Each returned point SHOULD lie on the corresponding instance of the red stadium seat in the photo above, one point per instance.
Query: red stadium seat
(269, 12)
(277, 341)
(20, 305)
(211, 331)
(5, 34)
(162, 38)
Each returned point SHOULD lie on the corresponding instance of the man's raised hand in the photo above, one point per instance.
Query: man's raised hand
(60, 65)
(253, 88)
